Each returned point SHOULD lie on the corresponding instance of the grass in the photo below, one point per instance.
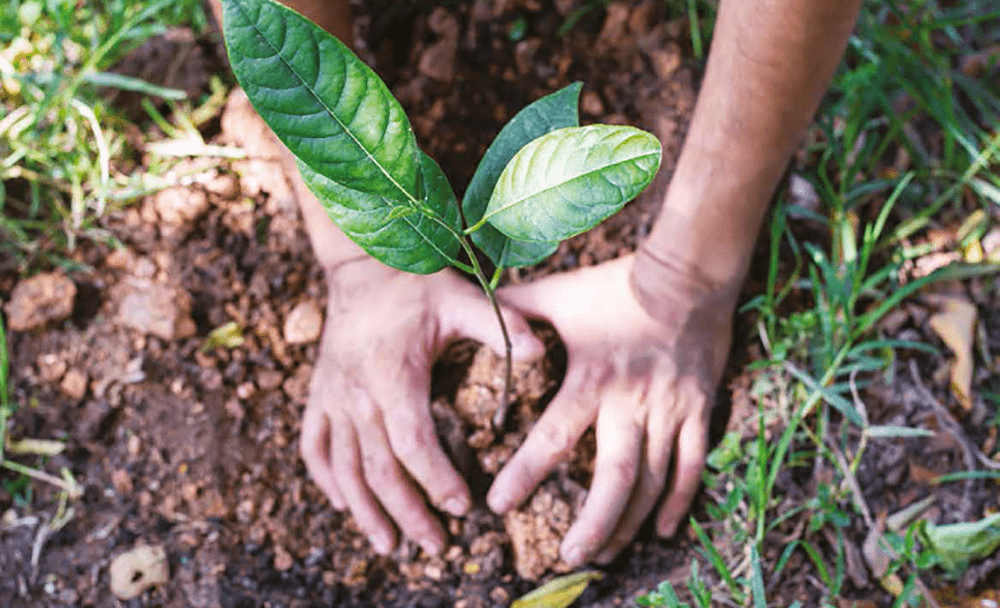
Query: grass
(905, 141)
(61, 144)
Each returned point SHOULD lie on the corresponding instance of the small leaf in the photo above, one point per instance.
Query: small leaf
(411, 241)
(559, 592)
(568, 181)
(331, 110)
(552, 112)
(227, 335)
(957, 544)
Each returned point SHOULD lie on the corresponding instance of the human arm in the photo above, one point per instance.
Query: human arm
(648, 335)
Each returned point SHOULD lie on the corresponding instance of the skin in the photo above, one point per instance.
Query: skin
(647, 335)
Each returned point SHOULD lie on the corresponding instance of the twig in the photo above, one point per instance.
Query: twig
(951, 426)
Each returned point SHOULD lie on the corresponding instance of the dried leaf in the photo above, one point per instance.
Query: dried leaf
(955, 324)
(559, 592)
(879, 558)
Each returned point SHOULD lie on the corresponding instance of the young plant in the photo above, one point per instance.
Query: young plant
(542, 180)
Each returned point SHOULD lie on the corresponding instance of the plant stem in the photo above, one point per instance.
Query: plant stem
(41, 476)
(489, 286)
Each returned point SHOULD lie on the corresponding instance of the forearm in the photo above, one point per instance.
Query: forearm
(770, 63)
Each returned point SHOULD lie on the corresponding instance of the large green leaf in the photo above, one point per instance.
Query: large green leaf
(330, 109)
(392, 231)
(568, 181)
(554, 111)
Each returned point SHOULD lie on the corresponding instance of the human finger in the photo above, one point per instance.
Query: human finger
(692, 442)
(659, 436)
(410, 430)
(472, 316)
(316, 446)
(390, 483)
(548, 443)
(620, 425)
(364, 507)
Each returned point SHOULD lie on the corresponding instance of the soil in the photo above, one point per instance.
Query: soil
(193, 449)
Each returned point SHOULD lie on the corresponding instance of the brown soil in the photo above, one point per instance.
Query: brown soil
(195, 450)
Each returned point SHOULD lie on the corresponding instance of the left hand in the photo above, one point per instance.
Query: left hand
(649, 386)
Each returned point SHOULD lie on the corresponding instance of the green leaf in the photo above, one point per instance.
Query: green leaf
(554, 111)
(559, 592)
(956, 545)
(386, 229)
(568, 181)
(330, 109)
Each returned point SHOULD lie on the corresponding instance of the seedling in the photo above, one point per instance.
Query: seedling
(542, 180)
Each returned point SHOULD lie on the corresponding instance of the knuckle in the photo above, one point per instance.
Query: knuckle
(555, 439)
(624, 469)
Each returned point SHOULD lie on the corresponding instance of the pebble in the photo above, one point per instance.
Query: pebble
(135, 571)
(304, 323)
(51, 367)
(178, 205)
(74, 384)
(39, 300)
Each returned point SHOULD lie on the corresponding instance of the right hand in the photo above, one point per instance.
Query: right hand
(368, 439)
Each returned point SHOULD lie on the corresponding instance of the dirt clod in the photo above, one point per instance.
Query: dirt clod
(157, 309)
(39, 300)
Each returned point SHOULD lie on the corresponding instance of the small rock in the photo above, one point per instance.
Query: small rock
(74, 384)
(42, 298)
(304, 323)
(438, 61)
(179, 205)
(665, 60)
(297, 385)
(142, 568)
(269, 379)
(591, 104)
(282, 559)
(51, 367)
(120, 259)
(157, 309)
(499, 595)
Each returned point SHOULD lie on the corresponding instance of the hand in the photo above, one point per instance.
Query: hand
(368, 439)
(648, 385)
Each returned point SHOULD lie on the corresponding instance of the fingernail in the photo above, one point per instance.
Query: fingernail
(430, 547)
(381, 543)
(573, 556)
(456, 505)
(668, 530)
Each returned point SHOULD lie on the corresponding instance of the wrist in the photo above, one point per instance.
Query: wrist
(671, 289)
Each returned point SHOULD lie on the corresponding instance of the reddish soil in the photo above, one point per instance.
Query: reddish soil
(195, 449)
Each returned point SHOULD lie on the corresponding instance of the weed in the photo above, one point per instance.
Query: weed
(57, 135)
(904, 137)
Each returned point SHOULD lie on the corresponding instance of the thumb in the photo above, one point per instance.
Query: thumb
(470, 314)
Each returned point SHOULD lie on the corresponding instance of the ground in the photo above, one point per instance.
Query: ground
(188, 444)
